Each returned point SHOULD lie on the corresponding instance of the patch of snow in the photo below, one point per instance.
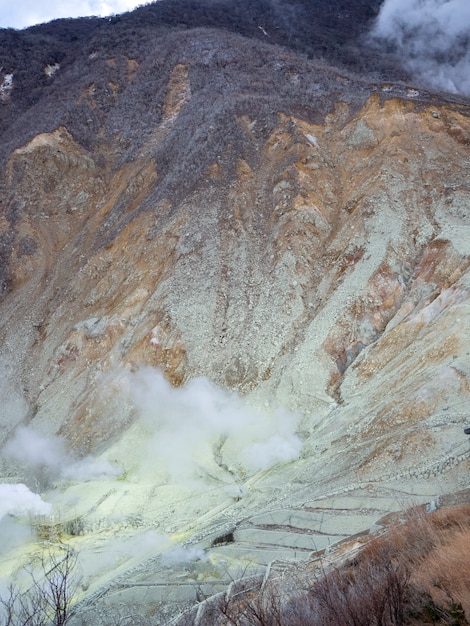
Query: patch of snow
(6, 86)
(49, 70)
(313, 140)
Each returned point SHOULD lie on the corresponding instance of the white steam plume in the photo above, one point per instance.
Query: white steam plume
(105, 555)
(48, 459)
(187, 424)
(181, 554)
(19, 500)
(13, 534)
(432, 39)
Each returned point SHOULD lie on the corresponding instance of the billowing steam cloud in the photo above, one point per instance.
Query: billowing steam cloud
(432, 38)
(181, 554)
(47, 458)
(44, 460)
(201, 421)
(19, 500)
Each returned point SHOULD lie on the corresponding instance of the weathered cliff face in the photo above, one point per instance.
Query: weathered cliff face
(313, 258)
(345, 238)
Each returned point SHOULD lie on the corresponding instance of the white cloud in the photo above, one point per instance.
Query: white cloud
(432, 39)
(23, 13)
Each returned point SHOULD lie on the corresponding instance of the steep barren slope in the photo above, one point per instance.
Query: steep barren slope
(293, 233)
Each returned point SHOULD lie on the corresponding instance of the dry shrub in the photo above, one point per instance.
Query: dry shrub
(369, 594)
(456, 517)
(421, 562)
(412, 539)
(254, 608)
(419, 533)
(435, 550)
(415, 573)
(445, 573)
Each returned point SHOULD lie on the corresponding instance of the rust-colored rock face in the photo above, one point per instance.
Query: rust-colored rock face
(339, 255)
(317, 259)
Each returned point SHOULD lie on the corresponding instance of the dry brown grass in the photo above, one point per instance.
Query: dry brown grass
(445, 573)
(434, 548)
(420, 567)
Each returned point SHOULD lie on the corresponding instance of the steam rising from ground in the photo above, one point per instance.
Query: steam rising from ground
(19, 500)
(193, 436)
(182, 554)
(47, 458)
(200, 421)
(432, 39)
(44, 460)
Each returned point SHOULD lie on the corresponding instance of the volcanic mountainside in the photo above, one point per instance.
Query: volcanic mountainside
(227, 192)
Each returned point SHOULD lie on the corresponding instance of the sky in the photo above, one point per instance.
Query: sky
(24, 13)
